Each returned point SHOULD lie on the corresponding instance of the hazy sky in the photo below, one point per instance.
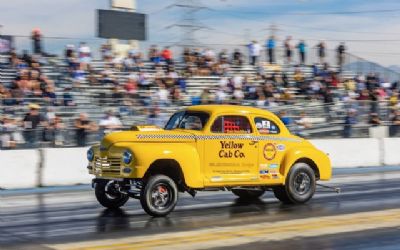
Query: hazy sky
(229, 22)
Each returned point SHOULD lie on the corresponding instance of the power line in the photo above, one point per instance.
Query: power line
(188, 23)
(280, 13)
(336, 30)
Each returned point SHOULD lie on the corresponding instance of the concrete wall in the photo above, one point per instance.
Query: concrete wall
(67, 166)
(351, 152)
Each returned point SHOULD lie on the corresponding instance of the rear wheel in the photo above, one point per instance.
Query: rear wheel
(159, 195)
(248, 194)
(300, 185)
(108, 196)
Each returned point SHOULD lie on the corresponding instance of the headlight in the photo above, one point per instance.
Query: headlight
(127, 157)
(90, 155)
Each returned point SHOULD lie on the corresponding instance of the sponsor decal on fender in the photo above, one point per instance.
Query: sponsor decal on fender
(274, 166)
(281, 147)
(269, 151)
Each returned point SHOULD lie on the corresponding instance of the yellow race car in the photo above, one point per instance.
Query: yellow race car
(207, 147)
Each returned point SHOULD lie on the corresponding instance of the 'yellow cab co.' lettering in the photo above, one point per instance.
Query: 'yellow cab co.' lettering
(231, 149)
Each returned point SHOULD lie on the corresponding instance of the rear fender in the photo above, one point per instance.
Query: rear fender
(314, 157)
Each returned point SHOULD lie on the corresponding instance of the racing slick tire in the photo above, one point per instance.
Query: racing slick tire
(246, 194)
(159, 196)
(299, 186)
(108, 196)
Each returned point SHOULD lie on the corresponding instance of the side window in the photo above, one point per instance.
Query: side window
(265, 126)
(231, 124)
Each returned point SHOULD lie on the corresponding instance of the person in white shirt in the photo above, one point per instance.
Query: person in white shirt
(110, 122)
(220, 96)
(162, 95)
(255, 51)
(85, 55)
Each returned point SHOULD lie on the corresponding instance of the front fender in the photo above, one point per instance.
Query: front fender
(319, 158)
(185, 154)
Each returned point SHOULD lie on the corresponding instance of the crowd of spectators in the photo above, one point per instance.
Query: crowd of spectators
(265, 89)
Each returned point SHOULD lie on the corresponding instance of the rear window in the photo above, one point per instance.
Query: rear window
(231, 124)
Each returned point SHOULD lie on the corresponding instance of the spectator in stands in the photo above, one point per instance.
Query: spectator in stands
(284, 118)
(270, 45)
(32, 122)
(349, 121)
(131, 86)
(254, 52)
(106, 52)
(154, 54)
(221, 96)
(8, 133)
(85, 55)
(67, 97)
(341, 50)
(393, 99)
(374, 120)
(288, 49)
(374, 100)
(237, 58)
(155, 117)
(53, 131)
(302, 124)
(83, 127)
(206, 97)
(166, 55)
(302, 48)
(321, 46)
(223, 57)
(49, 95)
(395, 123)
(37, 41)
(109, 123)
(162, 95)
(138, 58)
(327, 96)
(117, 95)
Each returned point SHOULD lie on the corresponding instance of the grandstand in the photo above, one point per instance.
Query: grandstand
(95, 98)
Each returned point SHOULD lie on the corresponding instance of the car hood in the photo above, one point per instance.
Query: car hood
(161, 136)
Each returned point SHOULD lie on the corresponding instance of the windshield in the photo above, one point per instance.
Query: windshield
(187, 120)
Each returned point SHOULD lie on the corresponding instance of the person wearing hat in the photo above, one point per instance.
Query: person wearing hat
(31, 122)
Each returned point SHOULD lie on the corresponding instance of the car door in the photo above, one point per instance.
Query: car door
(230, 152)
(272, 146)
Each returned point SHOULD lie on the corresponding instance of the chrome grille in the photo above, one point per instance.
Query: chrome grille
(108, 165)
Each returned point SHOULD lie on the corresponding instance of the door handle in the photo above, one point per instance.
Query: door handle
(253, 142)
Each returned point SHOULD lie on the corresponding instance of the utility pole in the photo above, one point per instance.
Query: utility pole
(189, 23)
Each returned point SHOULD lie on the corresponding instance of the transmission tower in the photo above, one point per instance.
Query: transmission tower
(189, 23)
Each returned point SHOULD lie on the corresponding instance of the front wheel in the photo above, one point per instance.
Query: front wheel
(108, 196)
(159, 195)
(247, 194)
(299, 187)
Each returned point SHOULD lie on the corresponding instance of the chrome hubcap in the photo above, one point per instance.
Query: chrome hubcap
(160, 196)
(302, 183)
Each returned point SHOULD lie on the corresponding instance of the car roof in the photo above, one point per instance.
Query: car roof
(234, 109)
